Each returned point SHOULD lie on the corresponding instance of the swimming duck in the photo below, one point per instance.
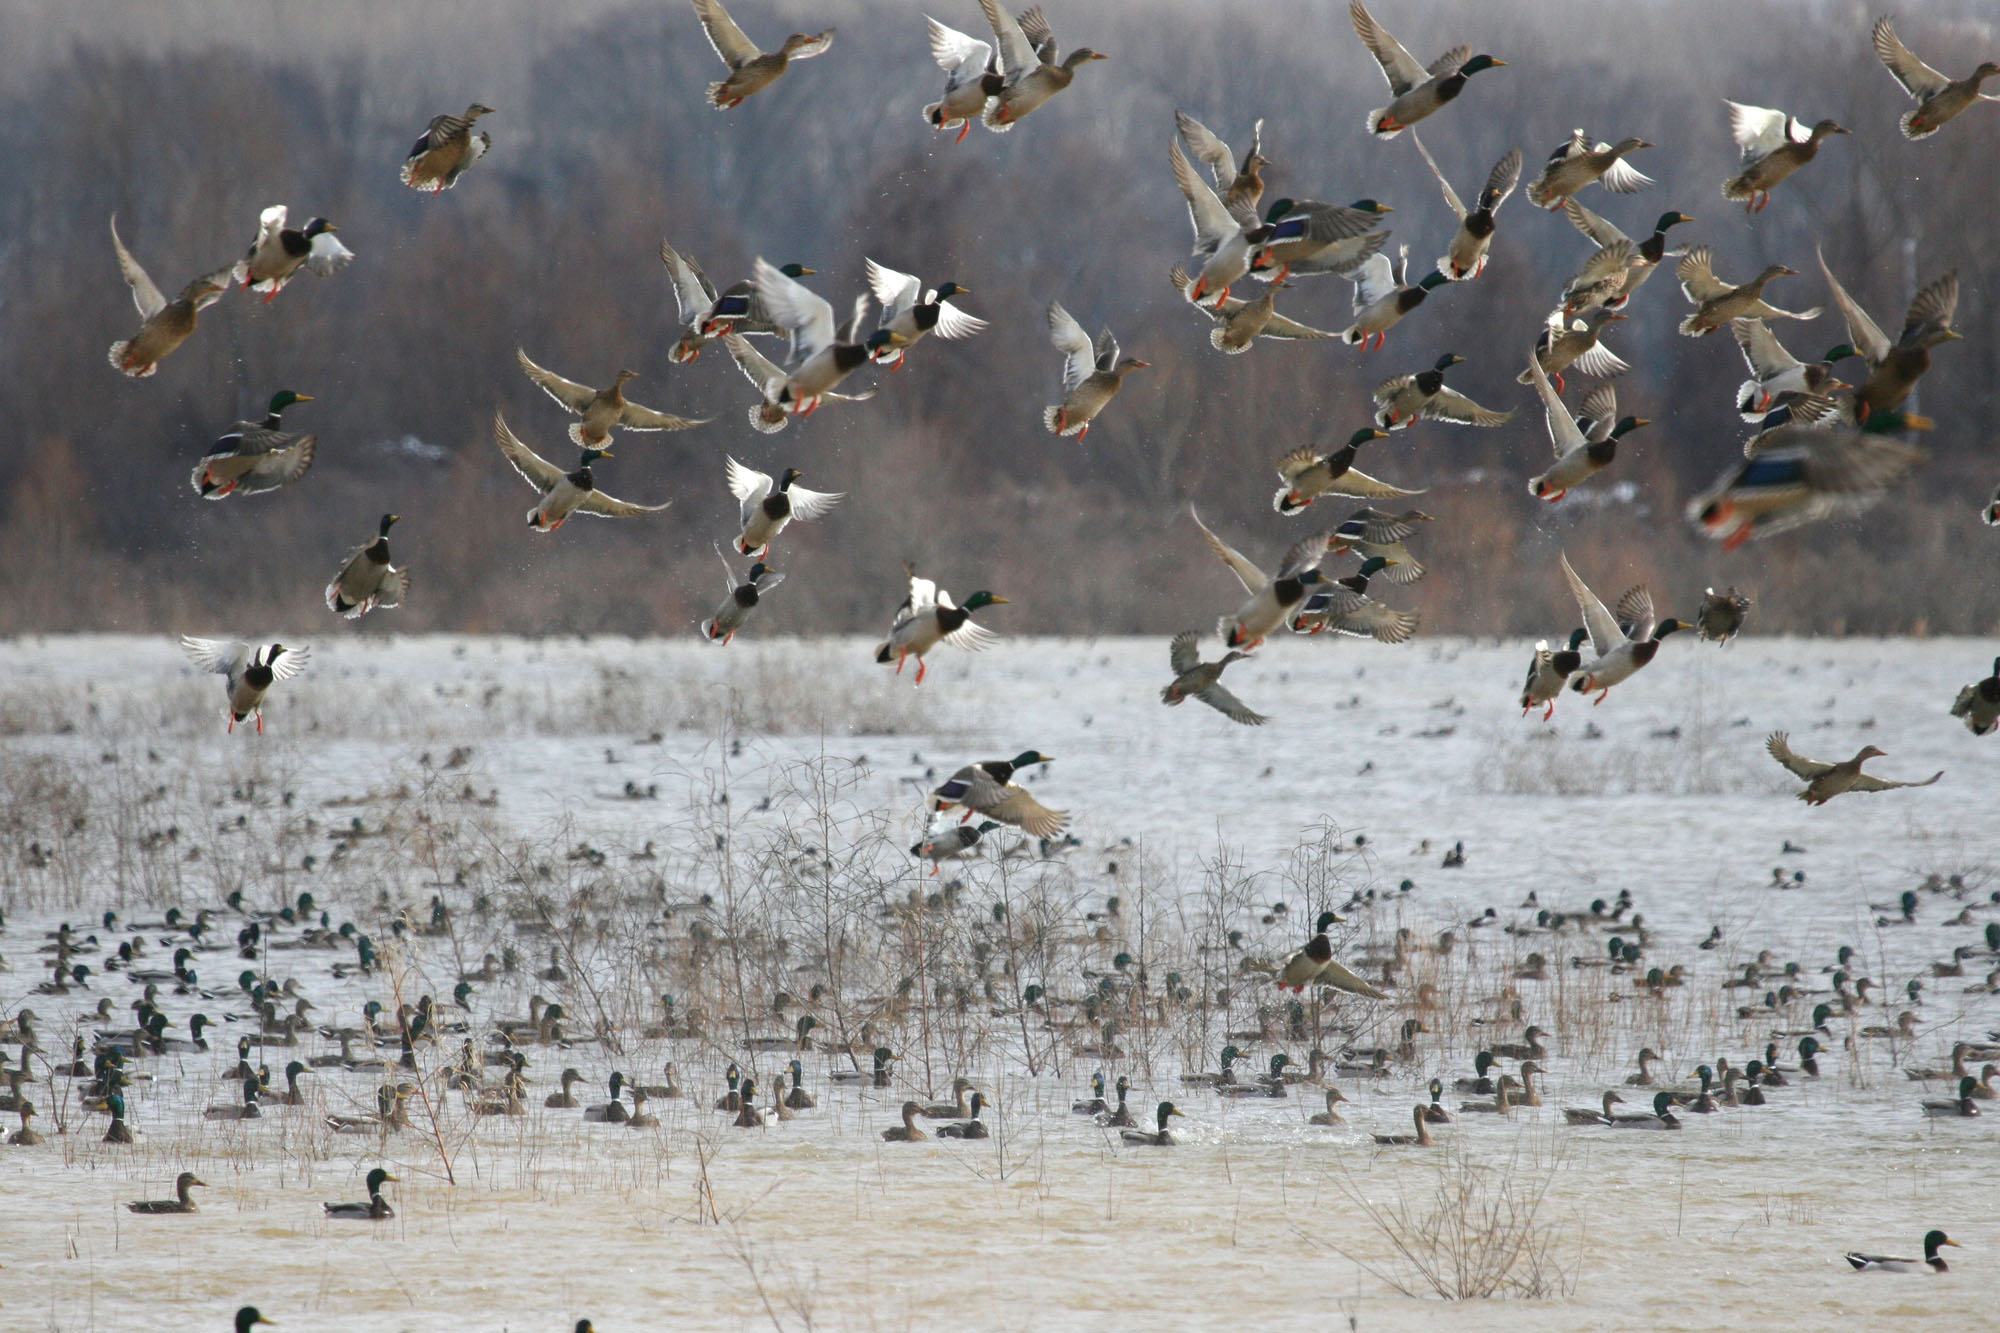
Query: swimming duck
(1383, 296)
(1578, 162)
(375, 1210)
(613, 1112)
(1120, 1115)
(1095, 1103)
(1661, 1118)
(367, 579)
(1239, 181)
(1196, 679)
(1204, 1079)
(1416, 91)
(1577, 458)
(1964, 1106)
(910, 310)
(966, 62)
(182, 1202)
(956, 1109)
(1238, 323)
(1774, 145)
(750, 70)
(247, 1109)
(1549, 672)
(278, 253)
(1267, 1085)
(1565, 343)
(602, 410)
(248, 673)
(1979, 703)
(1590, 1115)
(1308, 474)
(1420, 1139)
(1938, 99)
(166, 324)
(1717, 303)
(1435, 1113)
(1465, 259)
(1619, 656)
(740, 599)
(907, 1132)
(988, 788)
(952, 842)
(798, 1099)
(1481, 1080)
(928, 617)
(1091, 377)
(118, 1131)
(1645, 256)
(292, 1096)
(1932, 1262)
(564, 1100)
(1329, 1116)
(248, 1317)
(1028, 74)
(1503, 1099)
(880, 1074)
(1159, 1137)
(1824, 781)
(969, 1128)
(563, 494)
(1703, 1103)
(1797, 474)
(1422, 395)
(256, 456)
(1894, 368)
(446, 149)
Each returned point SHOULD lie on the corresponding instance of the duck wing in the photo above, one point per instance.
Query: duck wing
(537, 471)
(728, 40)
(569, 393)
(1778, 744)
(1605, 634)
(145, 294)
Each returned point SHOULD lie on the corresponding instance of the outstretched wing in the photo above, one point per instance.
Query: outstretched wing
(1203, 143)
(1070, 339)
(955, 323)
(957, 53)
(793, 307)
(1026, 813)
(1017, 55)
(1636, 616)
(221, 656)
(569, 393)
(728, 40)
(1863, 332)
(635, 417)
(1231, 707)
(1698, 279)
(1303, 554)
(1603, 626)
(747, 484)
(1399, 67)
(610, 506)
(1762, 351)
(290, 663)
(1252, 578)
(1500, 181)
(1621, 177)
(1450, 195)
(809, 505)
(1360, 486)
(1563, 432)
(1758, 130)
(1212, 223)
(1780, 749)
(1184, 653)
(756, 367)
(537, 471)
(693, 292)
(1868, 783)
(1451, 405)
(144, 294)
(896, 291)
(1600, 232)
(1918, 79)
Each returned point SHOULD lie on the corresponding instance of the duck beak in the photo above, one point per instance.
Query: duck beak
(303, 398)
(1954, 1244)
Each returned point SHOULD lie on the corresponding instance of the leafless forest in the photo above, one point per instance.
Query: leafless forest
(185, 119)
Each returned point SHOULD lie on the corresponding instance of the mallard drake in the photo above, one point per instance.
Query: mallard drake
(256, 456)
(1618, 655)
(1590, 1115)
(740, 600)
(1435, 1114)
(1777, 378)
(1095, 1103)
(1091, 377)
(1383, 296)
(967, 62)
(390, 1116)
(1329, 1116)
(1643, 259)
(952, 842)
(248, 673)
(1403, 399)
(1774, 145)
(1271, 1084)
(1241, 186)
(1963, 1106)
(1272, 597)
(248, 1317)
(1824, 781)
(603, 410)
(1119, 1116)
(1938, 99)
(564, 1100)
(1159, 1137)
(1370, 532)
(1717, 303)
(879, 1076)
(988, 788)
(1028, 73)
(1465, 258)
(182, 1202)
(1721, 614)
(613, 1112)
(1565, 343)
(1798, 474)
(1661, 1118)
(1417, 91)
(1223, 240)
(1238, 323)
(563, 494)
(279, 252)
(366, 579)
(1577, 458)
(1577, 163)
(1979, 703)
(771, 414)
(750, 70)
(1894, 368)
(165, 324)
(1932, 1262)
(25, 1136)
(822, 356)
(1308, 474)
(247, 1109)
(1549, 671)
(1420, 1139)
(292, 1095)
(970, 1127)
(741, 307)
(907, 1132)
(1309, 237)
(1196, 679)
(927, 618)
(798, 1099)
(694, 299)
(445, 150)
(1343, 606)
(118, 1131)
(375, 1210)
(910, 310)
(767, 507)
(1703, 1102)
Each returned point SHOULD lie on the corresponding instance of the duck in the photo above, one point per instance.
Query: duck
(182, 1202)
(1932, 1262)
(1435, 1113)
(1239, 323)
(951, 842)
(1809, 1049)
(1092, 377)
(1661, 1118)
(1774, 144)
(1465, 258)
(879, 1076)
(670, 1087)
(278, 253)
(1503, 1099)
(1825, 780)
(367, 579)
(1939, 99)
(1383, 296)
(957, 1108)
(1402, 400)
(1267, 1085)
(1578, 458)
(767, 506)
(613, 1112)
(1619, 656)
(751, 70)
(970, 1127)
(1224, 239)
(822, 356)
(25, 1136)
(292, 1096)
(798, 1099)
(248, 1317)
(1797, 474)
(1577, 163)
(1416, 91)
(1895, 367)
(564, 1100)
(1272, 598)
(1309, 237)
(247, 1109)
(1779, 380)
(1330, 1116)
(1196, 679)
(1703, 1103)
(907, 1132)
(1599, 281)
(1577, 343)
(988, 788)
(1529, 1095)
(248, 673)
(1370, 532)
(910, 311)
(1481, 1080)
(165, 324)
(1159, 1137)
(1979, 703)
(749, 1115)
(1590, 1115)
(967, 63)
(1315, 965)
(1752, 1077)
(1644, 257)
(1308, 474)
(446, 150)
(1964, 1106)
(377, 1208)
(390, 1116)
(118, 1131)
(1095, 1103)
(740, 599)
(600, 410)
(1120, 1115)
(929, 617)
(1239, 181)
(562, 494)
(1549, 671)
(1028, 74)
(1717, 303)
(731, 1100)
(1420, 1139)
(256, 456)
(1204, 1079)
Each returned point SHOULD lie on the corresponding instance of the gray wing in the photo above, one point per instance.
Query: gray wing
(537, 471)
(1070, 339)
(1252, 578)
(1600, 232)
(1862, 331)
(145, 294)
(1604, 631)
(1918, 79)
(569, 393)
(1451, 405)
(1635, 613)
(1231, 707)
(728, 40)
(221, 656)
(1450, 195)
(1867, 783)
(1399, 67)
(693, 292)
(1184, 653)
(1203, 143)
(1780, 749)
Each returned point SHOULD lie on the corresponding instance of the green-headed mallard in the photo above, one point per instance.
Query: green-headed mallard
(1309, 237)
(1932, 1262)
(1618, 655)
(966, 62)
(1370, 532)
(927, 618)
(375, 1210)
(1308, 474)
(390, 1115)
(955, 1109)
(751, 70)
(1645, 255)
(366, 579)
(1938, 98)
(988, 788)
(766, 507)
(1894, 368)
(694, 298)
(798, 1099)
(1717, 303)
(1721, 614)
(1223, 239)
(880, 1075)
(1095, 1103)
(952, 842)
(1159, 1137)
(1661, 1118)
(741, 599)
(1196, 679)
(1315, 965)
(1963, 1105)
(739, 308)
(1979, 703)
(1465, 259)
(1238, 323)
(247, 1109)
(118, 1131)
(165, 324)
(1797, 474)
(910, 310)
(25, 1136)
(1590, 1115)
(1418, 91)
(1575, 343)
(1273, 597)
(1344, 606)
(562, 493)
(256, 456)
(1266, 1085)
(1578, 162)
(1774, 145)
(1119, 1116)
(293, 1095)
(279, 252)
(1091, 376)
(248, 673)
(1383, 296)
(1824, 781)
(613, 1112)
(446, 148)
(1777, 378)
(822, 356)
(1240, 182)
(182, 1202)
(603, 410)
(907, 1132)
(1549, 672)
(1420, 1139)
(1577, 457)
(771, 414)
(1402, 399)
(1029, 73)
(248, 1317)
